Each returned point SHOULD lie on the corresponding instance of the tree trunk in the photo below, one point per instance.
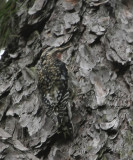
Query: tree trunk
(99, 63)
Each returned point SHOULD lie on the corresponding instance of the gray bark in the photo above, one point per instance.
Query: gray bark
(100, 72)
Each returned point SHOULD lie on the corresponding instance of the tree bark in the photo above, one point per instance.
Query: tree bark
(99, 63)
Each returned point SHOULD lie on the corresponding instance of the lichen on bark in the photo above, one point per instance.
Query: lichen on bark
(99, 62)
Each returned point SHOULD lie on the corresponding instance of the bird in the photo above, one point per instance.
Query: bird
(53, 85)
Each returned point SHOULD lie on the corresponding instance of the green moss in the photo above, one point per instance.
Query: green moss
(7, 13)
(89, 148)
(131, 123)
(87, 1)
(104, 158)
(129, 138)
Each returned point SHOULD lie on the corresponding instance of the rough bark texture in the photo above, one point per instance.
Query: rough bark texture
(99, 60)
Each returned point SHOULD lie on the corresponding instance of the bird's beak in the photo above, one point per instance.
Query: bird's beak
(61, 49)
(52, 50)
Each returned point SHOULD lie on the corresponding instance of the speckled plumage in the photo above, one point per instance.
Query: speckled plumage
(53, 84)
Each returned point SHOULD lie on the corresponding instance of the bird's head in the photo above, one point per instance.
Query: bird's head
(54, 52)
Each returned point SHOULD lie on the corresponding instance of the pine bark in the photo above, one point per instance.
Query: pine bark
(99, 62)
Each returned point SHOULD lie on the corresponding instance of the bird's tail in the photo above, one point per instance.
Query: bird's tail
(64, 117)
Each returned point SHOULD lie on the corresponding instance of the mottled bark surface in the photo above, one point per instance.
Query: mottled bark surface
(99, 61)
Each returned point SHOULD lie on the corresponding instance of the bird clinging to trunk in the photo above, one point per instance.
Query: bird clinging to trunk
(53, 84)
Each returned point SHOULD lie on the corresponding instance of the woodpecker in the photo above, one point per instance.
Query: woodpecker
(53, 84)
